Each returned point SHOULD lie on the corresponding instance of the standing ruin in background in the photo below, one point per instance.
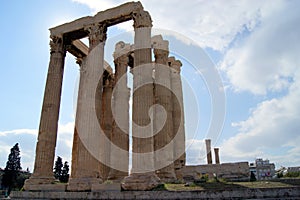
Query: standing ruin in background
(101, 133)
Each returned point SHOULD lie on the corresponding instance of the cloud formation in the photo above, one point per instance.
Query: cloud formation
(212, 24)
(27, 143)
(267, 63)
(259, 41)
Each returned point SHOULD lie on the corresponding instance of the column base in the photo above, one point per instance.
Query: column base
(145, 181)
(166, 176)
(116, 176)
(43, 184)
(83, 184)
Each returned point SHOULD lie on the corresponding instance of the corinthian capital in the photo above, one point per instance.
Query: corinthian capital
(56, 45)
(141, 19)
(97, 33)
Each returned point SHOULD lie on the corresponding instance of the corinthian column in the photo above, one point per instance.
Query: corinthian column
(178, 114)
(163, 125)
(45, 148)
(142, 175)
(106, 124)
(120, 134)
(88, 132)
(208, 151)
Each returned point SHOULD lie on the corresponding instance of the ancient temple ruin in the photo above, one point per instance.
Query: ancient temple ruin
(101, 133)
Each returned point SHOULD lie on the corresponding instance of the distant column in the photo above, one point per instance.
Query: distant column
(208, 151)
(163, 97)
(106, 125)
(120, 132)
(217, 158)
(45, 148)
(178, 114)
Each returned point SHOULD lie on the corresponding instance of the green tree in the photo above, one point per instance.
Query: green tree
(12, 169)
(65, 173)
(58, 167)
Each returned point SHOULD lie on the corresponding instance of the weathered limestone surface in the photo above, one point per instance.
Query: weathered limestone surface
(163, 96)
(247, 193)
(231, 171)
(45, 149)
(141, 181)
(87, 123)
(111, 17)
(208, 151)
(178, 114)
(120, 132)
(217, 158)
(106, 124)
(142, 148)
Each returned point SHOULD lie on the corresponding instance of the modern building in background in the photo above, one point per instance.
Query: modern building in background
(262, 169)
(293, 169)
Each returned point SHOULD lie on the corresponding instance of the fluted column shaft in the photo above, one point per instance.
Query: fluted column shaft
(45, 149)
(178, 114)
(217, 158)
(142, 100)
(88, 114)
(163, 97)
(106, 124)
(208, 151)
(120, 133)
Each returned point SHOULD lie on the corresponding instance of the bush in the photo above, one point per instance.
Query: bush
(293, 174)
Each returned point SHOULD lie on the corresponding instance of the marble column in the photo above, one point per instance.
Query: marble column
(87, 156)
(47, 135)
(178, 114)
(142, 175)
(106, 124)
(120, 133)
(163, 130)
(208, 151)
(217, 158)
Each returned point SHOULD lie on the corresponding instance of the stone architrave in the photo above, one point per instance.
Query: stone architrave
(87, 122)
(45, 149)
(163, 97)
(142, 175)
(178, 114)
(120, 132)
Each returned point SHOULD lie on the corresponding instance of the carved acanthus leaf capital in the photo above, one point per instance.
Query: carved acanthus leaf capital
(175, 64)
(97, 33)
(56, 45)
(161, 54)
(141, 19)
(122, 60)
(121, 48)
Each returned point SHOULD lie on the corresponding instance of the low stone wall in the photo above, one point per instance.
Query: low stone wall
(230, 171)
(273, 193)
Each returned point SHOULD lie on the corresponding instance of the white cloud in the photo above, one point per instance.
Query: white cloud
(18, 132)
(268, 59)
(27, 145)
(265, 62)
(272, 126)
(211, 23)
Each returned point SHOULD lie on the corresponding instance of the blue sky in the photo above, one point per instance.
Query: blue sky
(254, 46)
